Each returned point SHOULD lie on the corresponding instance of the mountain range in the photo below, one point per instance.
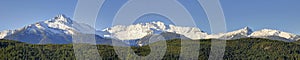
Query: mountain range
(59, 30)
(138, 31)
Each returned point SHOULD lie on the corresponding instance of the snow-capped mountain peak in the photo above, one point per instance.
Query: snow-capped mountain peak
(275, 34)
(56, 30)
(60, 22)
(241, 33)
(248, 30)
(137, 31)
(61, 17)
(245, 30)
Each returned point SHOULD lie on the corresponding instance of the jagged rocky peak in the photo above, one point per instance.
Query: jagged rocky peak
(60, 21)
(245, 30)
(248, 30)
(62, 18)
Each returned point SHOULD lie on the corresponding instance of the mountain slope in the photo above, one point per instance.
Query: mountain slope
(248, 33)
(5, 33)
(58, 30)
(275, 35)
(241, 33)
(138, 31)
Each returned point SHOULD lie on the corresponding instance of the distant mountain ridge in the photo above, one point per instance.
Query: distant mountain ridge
(59, 30)
(141, 30)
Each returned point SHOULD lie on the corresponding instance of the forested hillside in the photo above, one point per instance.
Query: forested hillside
(246, 48)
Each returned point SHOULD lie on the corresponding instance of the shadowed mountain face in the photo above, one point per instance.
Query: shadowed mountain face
(40, 37)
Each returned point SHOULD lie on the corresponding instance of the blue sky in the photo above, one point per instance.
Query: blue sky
(258, 14)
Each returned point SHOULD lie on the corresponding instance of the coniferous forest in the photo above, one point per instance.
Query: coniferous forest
(245, 48)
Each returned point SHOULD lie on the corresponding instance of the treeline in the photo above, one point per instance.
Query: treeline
(246, 48)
